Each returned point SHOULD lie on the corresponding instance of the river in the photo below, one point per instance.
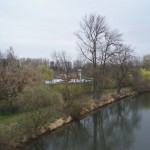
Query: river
(124, 125)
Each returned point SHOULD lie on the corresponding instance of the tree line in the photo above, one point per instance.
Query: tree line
(104, 58)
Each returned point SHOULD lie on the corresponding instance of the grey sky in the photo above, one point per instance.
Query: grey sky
(34, 28)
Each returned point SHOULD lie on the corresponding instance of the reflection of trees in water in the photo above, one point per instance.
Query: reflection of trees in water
(144, 100)
(37, 145)
(68, 139)
(115, 126)
(109, 129)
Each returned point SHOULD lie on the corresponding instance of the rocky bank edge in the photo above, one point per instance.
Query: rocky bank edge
(85, 109)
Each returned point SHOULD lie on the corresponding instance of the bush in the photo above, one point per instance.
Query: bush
(35, 120)
(74, 108)
(72, 91)
(41, 105)
(39, 97)
(141, 81)
(7, 134)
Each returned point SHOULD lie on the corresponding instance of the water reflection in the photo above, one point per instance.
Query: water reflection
(111, 128)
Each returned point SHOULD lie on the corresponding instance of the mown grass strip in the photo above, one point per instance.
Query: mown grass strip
(10, 119)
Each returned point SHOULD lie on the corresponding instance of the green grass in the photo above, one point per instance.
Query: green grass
(5, 116)
(18, 118)
(13, 118)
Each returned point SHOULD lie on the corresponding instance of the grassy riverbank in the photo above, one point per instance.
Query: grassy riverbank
(17, 117)
(27, 125)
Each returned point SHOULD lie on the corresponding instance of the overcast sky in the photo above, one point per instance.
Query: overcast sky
(35, 28)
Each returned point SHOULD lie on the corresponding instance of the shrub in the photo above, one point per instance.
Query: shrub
(41, 105)
(7, 134)
(74, 108)
(73, 90)
(39, 97)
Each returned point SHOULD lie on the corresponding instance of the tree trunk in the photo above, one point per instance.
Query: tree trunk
(119, 88)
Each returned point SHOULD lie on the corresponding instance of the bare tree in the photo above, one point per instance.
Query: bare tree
(122, 63)
(96, 43)
(34, 62)
(63, 62)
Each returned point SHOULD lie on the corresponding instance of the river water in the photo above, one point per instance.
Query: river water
(124, 125)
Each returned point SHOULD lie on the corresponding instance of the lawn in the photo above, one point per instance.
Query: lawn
(13, 118)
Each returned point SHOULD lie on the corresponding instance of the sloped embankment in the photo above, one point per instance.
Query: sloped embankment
(82, 110)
